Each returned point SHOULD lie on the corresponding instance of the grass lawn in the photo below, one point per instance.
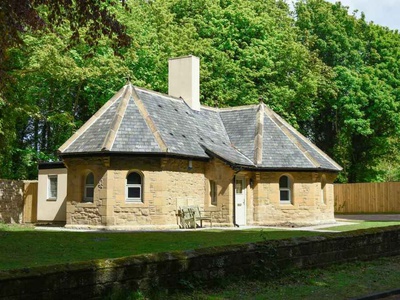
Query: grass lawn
(343, 281)
(23, 247)
(363, 225)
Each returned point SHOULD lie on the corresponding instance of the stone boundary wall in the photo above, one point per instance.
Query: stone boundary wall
(95, 279)
(11, 201)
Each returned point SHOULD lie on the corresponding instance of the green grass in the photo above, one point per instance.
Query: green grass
(363, 225)
(343, 281)
(15, 227)
(25, 248)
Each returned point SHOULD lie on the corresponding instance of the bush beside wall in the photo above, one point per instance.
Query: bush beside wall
(175, 269)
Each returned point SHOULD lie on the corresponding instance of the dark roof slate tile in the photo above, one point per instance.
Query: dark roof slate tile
(92, 139)
(226, 133)
(134, 135)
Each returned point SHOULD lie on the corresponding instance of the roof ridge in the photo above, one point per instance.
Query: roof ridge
(258, 140)
(229, 138)
(168, 97)
(285, 128)
(117, 120)
(92, 120)
(149, 122)
(240, 107)
(179, 99)
(207, 149)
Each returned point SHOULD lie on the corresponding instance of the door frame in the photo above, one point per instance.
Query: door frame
(244, 190)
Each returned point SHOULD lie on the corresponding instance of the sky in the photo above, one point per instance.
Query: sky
(382, 12)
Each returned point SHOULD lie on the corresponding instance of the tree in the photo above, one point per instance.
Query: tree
(360, 124)
(35, 105)
(92, 16)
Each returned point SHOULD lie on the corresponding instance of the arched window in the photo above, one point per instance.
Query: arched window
(134, 187)
(89, 188)
(323, 189)
(285, 189)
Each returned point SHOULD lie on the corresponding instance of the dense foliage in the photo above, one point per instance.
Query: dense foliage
(330, 74)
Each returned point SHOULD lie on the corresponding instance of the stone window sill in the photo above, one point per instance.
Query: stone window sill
(132, 204)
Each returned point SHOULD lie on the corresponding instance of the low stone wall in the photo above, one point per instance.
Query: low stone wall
(11, 201)
(93, 280)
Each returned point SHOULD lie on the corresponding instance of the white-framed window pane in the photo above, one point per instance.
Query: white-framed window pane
(134, 192)
(285, 195)
(285, 189)
(134, 187)
(89, 188)
(90, 179)
(89, 193)
(284, 182)
(52, 189)
(134, 178)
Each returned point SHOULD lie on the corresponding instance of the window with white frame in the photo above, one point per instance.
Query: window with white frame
(213, 192)
(89, 188)
(134, 187)
(285, 189)
(52, 187)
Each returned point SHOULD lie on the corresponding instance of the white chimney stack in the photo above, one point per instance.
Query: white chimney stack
(184, 80)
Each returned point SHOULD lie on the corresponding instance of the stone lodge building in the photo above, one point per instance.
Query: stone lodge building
(144, 154)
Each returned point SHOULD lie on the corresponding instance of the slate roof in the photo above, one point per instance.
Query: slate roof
(140, 121)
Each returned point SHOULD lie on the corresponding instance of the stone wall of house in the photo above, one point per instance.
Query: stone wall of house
(11, 201)
(222, 174)
(99, 279)
(308, 206)
(167, 184)
(78, 211)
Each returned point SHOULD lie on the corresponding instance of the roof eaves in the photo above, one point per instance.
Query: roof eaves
(275, 169)
(132, 154)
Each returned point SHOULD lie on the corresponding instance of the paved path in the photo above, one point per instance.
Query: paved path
(341, 220)
(316, 228)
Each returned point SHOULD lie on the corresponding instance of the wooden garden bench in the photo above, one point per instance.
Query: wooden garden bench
(190, 215)
(186, 217)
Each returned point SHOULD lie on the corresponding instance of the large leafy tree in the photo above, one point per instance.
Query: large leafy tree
(20, 16)
(248, 49)
(360, 124)
(35, 61)
(327, 72)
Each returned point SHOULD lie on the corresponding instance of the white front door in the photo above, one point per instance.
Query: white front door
(240, 201)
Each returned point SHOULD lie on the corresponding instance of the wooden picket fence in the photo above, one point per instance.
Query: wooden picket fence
(383, 197)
